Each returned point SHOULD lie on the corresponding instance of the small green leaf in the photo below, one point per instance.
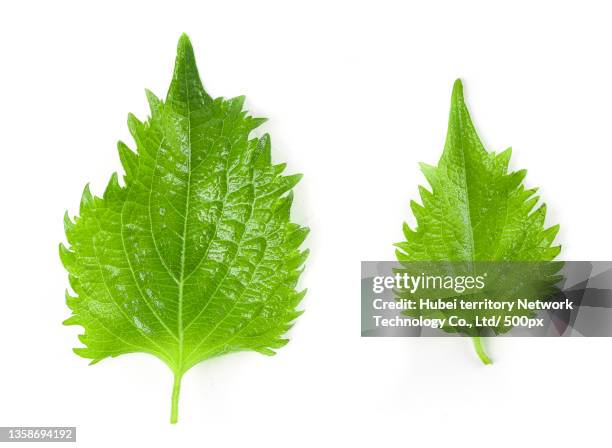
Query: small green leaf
(476, 209)
(195, 256)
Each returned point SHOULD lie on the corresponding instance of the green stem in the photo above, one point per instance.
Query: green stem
(176, 391)
(480, 350)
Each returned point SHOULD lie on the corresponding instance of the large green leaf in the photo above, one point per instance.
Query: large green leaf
(476, 209)
(195, 256)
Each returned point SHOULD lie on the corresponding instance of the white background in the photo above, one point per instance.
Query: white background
(357, 93)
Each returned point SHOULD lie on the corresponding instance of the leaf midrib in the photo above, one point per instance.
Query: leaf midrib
(465, 186)
(179, 367)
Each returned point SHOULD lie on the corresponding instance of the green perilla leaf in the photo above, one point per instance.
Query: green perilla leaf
(195, 256)
(476, 210)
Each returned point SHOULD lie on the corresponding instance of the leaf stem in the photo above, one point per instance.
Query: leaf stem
(176, 391)
(480, 350)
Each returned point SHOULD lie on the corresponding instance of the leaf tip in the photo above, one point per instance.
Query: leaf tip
(458, 88)
(184, 43)
(184, 54)
(186, 86)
